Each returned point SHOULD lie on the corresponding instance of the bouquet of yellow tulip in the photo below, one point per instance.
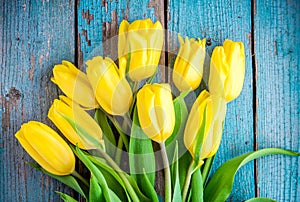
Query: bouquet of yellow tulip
(143, 124)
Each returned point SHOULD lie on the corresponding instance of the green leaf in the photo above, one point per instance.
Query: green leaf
(66, 197)
(197, 186)
(108, 135)
(175, 177)
(141, 155)
(151, 193)
(95, 194)
(184, 163)
(220, 185)
(181, 114)
(100, 162)
(113, 180)
(136, 188)
(95, 171)
(66, 179)
(260, 200)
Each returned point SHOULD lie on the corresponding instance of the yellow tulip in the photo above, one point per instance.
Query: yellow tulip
(209, 112)
(110, 86)
(140, 44)
(61, 109)
(47, 148)
(188, 67)
(74, 84)
(227, 70)
(156, 111)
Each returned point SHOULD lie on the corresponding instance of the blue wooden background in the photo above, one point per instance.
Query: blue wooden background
(35, 35)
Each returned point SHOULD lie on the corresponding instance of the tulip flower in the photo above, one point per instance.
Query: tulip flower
(74, 84)
(139, 48)
(188, 67)
(47, 148)
(227, 70)
(203, 131)
(111, 88)
(61, 109)
(156, 111)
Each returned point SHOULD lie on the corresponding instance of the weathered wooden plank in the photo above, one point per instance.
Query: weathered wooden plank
(219, 20)
(277, 33)
(34, 35)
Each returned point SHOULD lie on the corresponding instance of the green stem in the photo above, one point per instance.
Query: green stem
(207, 168)
(134, 90)
(130, 189)
(187, 182)
(168, 188)
(119, 150)
(120, 131)
(77, 175)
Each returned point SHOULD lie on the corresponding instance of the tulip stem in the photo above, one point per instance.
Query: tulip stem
(130, 189)
(119, 150)
(168, 188)
(188, 177)
(134, 90)
(77, 175)
(207, 168)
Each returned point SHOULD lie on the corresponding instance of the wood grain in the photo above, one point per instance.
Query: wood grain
(34, 35)
(277, 32)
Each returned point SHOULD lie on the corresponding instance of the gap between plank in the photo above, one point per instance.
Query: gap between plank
(166, 4)
(255, 101)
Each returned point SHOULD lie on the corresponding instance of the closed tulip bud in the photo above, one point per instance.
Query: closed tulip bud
(188, 67)
(156, 111)
(61, 109)
(140, 44)
(203, 131)
(74, 84)
(47, 148)
(111, 88)
(227, 70)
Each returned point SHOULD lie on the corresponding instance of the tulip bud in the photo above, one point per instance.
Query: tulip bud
(61, 109)
(74, 84)
(203, 131)
(227, 70)
(188, 67)
(47, 148)
(156, 111)
(111, 88)
(140, 44)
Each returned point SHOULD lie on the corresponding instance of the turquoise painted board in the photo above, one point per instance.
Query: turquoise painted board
(277, 33)
(34, 35)
(219, 20)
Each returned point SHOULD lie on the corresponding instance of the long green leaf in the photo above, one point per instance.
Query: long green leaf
(96, 193)
(114, 182)
(141, 155)
(151, 193)
(108, 135)
(103, 164)
(260, 200)
(181, 114)
(95, 171)
(197, 186)
(66, 179)
(175, 177)
(66, 197)
(137, 190)
(220, 186)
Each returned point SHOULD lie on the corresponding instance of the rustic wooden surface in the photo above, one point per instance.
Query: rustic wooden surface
(35, 35)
